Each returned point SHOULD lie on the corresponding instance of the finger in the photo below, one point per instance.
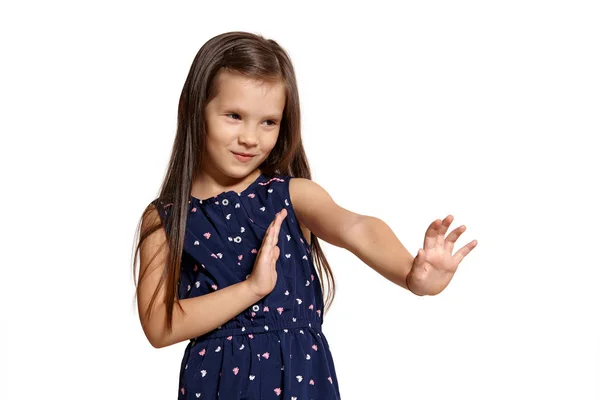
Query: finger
(453, 237)
(431, 235)
(275, 239)
(274, 258)
(420, 258)
(268, 232)
(273, 233)
(275, 229)
(276, 253)
(466, 249)
(443, 229)
(266, 249)
(280, 216)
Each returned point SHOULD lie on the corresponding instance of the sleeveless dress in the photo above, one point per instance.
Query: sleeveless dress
(275, 349)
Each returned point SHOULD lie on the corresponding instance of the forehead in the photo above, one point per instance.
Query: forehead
(238, 91)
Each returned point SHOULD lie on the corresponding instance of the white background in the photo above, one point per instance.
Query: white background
(488, 111)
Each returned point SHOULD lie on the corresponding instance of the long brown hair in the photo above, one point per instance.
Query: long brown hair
(257, 58)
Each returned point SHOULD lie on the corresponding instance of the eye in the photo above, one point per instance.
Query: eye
(228, 114)
(273, 123)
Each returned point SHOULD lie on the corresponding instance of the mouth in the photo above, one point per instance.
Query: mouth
(243, 157)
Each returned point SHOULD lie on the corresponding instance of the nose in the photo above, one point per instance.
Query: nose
(249, 138)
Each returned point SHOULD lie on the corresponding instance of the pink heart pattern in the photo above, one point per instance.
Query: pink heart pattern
(231, 227)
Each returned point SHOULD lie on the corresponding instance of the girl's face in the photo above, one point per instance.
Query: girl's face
(244, 118)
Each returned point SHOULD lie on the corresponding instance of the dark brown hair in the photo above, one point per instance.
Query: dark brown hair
(254, 57)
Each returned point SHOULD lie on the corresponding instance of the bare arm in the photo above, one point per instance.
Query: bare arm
(201, 314)
(369, 238)
(378, 247)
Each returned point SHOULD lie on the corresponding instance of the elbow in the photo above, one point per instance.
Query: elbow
(359, 227)
(161, 339)
(154, 341)
(157, 344)
(155, 338)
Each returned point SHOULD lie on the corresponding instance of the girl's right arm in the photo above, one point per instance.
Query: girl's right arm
(205, 313)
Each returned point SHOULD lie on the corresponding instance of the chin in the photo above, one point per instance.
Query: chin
(239, 171)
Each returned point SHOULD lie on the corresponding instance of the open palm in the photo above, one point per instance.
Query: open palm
(434, 265)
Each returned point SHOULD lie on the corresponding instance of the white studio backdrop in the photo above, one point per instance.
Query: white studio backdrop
(488, 111)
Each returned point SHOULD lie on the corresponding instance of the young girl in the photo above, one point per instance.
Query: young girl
(233, 238)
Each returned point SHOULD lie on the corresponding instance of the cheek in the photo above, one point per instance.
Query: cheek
(269, 141)
(219, 134)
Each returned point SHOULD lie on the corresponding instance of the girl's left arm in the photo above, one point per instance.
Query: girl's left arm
(369, 238)
(372, 240)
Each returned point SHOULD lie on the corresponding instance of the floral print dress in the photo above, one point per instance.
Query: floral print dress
(275, 349)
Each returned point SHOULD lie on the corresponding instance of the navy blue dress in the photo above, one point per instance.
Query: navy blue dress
(275, 349)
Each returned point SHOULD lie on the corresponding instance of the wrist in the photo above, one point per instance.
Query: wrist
(408, 284)
(255, 293)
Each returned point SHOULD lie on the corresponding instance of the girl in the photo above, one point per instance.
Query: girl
(233, 237)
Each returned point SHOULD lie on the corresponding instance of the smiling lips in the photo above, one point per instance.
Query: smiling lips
(243, 157)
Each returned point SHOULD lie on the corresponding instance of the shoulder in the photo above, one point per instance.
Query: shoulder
(315, 207)
(288, 186)
(152, 212)
(309, 199)
(302, 190)
(157, 208)
(150, 216)
(156, 213)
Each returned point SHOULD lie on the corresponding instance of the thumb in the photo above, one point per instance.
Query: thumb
(420, 258)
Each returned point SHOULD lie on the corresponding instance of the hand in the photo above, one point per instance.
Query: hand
(434, 266)
(264, 275)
